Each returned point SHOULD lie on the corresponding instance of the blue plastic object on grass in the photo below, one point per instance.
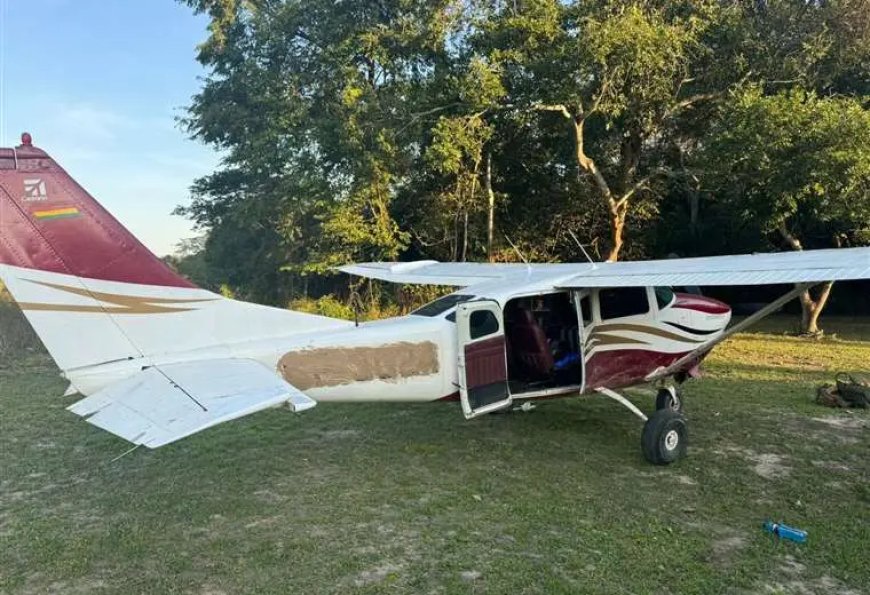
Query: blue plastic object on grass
(785, 532)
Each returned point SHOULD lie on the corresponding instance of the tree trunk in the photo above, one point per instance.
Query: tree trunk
(490, 213)
(618, 209)
(811, 308)
(694, 204)
(465, 237)
(617, 226)
(456, 236)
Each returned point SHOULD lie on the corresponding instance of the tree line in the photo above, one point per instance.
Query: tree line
(488, 129)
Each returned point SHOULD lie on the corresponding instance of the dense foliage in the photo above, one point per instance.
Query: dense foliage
(457, 129)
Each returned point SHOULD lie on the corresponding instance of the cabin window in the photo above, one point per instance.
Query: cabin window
(586, 310)
(664, 296)
(441, 305)
(482, 323)
(622, 301)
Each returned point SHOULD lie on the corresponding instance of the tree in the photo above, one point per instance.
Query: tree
(618, 72)
(310, 101)
(798, 166)
(458, 129)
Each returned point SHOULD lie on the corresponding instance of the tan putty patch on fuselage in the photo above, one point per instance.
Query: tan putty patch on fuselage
(334, 366)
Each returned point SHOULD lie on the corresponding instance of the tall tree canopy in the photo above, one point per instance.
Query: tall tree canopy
(798, 166)
(461, 129)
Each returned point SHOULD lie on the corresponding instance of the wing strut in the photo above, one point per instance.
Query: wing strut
(773, 306)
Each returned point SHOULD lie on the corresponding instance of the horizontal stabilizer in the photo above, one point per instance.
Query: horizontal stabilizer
(162, 404)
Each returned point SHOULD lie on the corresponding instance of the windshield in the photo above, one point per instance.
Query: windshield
(441, 305)
(664, 296)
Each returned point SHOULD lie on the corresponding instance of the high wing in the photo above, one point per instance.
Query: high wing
(809, 266)
(162, 404)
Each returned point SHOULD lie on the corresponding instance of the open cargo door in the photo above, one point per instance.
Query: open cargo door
(482, 349)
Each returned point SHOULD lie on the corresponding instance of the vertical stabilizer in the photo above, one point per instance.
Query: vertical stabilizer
(93, 292)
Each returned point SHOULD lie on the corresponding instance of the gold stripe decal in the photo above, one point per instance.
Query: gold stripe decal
(122, 304)
(641, 328)
(605, 339)
(601, 336)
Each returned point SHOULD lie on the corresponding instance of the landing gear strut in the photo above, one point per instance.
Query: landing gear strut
(669, 398)
(665, 432)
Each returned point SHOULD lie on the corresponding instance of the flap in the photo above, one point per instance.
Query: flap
(165, 403)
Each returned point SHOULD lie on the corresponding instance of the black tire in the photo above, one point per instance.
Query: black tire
(665, 436)
(667, 400)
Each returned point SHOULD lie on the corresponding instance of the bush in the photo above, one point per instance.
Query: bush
(331, 306)
(326, 306)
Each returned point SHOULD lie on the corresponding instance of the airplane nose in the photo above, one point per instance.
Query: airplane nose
(703, 304)
(710, 308)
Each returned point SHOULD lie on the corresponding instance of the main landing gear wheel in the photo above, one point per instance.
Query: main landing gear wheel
(669, 398)
(664, 437)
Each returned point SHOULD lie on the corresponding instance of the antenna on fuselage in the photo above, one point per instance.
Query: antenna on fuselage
(585, 253)
(520, 254)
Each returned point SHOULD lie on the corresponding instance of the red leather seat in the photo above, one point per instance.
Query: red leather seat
(530, 346)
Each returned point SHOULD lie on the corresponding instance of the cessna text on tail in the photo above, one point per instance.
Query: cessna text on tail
(158, 359)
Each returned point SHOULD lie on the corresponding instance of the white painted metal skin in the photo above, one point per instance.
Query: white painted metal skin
(108, 352)
(158, 359)
(748, 269)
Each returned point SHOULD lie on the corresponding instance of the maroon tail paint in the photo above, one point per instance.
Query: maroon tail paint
(50, 223)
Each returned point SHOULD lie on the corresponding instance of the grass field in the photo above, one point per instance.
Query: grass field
(412, 498)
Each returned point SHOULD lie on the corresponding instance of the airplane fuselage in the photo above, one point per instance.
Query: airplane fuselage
(416, 358)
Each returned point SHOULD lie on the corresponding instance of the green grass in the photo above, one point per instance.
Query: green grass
(412, 498)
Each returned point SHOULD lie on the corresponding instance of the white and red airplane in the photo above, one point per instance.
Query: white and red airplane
(159, 359)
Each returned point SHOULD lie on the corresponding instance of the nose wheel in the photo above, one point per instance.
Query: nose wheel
(665, 433)
(664, 437)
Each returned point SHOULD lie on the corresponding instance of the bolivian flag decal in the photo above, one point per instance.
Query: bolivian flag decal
(60, 213)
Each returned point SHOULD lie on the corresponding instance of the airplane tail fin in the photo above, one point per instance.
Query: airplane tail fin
(95, 294)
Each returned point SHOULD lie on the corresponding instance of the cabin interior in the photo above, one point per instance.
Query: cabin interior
(543, 342)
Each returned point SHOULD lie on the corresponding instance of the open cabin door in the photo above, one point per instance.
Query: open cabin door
(482, 350)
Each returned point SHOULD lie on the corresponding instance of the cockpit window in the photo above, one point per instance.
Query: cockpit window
(619, 302)
(441, 305)
(664, 296)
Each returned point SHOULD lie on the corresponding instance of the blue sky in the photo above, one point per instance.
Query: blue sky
(99, 83)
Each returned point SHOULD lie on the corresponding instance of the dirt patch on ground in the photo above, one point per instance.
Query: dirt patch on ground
(726, 549)
(269, 496)
(264, 522)
(844, 423)
(791, 579)
(376, 575)
(832, 465)
(769, 465)
(82, 585)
